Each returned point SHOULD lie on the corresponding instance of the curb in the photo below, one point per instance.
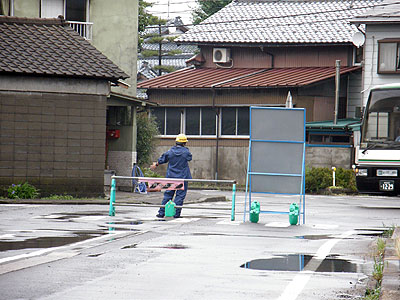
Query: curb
(391, 273)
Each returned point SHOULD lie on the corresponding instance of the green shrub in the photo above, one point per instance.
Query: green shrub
(149, 173)
(146, 131)
(22, 191)
(346, 178)
(318, 179)
(321, 178)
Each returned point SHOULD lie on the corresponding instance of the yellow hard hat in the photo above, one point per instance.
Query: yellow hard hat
(181, 138)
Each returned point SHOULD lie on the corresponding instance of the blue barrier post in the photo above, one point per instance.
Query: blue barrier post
(233, 202)
(112, 198)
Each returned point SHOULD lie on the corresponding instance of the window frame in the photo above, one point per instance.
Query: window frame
(236, 135)
(397, 56)
(201, 111)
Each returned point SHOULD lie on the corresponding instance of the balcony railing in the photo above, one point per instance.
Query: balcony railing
(83, 28)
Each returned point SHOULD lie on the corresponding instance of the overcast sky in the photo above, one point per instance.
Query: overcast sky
(168, 9)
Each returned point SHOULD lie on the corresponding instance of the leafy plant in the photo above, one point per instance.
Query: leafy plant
(380, 245)
(346, 178)
(22, 191)
(165, 69)
(321, 178)
(149, 173)
(146, 131)
(317, 179)
(373, 294)
(377, 274)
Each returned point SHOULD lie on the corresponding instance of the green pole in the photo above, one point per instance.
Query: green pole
(233, 202)
(112, 198)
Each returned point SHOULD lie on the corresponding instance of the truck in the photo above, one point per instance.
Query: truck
(377, 156)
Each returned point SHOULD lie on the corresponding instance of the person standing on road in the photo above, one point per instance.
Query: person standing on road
(177, 158)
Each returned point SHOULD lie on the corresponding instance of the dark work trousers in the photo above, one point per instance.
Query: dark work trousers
(180, 196)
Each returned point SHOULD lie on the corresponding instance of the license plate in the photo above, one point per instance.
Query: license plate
(386, 185)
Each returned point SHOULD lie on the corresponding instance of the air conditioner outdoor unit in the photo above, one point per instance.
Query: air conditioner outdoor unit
(221, 55)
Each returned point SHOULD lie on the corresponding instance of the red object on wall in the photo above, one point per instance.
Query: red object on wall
(113, 134)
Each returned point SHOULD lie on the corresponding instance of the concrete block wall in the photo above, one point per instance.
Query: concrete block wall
(54, 141)
(232, 162)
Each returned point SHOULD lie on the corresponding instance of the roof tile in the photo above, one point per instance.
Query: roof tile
(291, 21)
(50, 47)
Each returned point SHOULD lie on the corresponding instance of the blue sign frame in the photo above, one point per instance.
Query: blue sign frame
(298, 143)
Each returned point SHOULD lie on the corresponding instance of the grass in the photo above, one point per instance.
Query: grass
(377, 273)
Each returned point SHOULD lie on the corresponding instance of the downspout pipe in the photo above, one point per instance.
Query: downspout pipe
(217, 133)
(337, 91)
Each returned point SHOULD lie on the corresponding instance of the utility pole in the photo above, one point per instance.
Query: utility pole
(159, 48)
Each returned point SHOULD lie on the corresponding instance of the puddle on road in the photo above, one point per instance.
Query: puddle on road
(319, 237)
(47, 241)
(129, 246)
(126, 223)
(298, 262)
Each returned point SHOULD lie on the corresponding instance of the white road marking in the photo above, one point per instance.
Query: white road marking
(183, 220)
(298, 283)
(277, 224)
(228, 222)
(6, 236)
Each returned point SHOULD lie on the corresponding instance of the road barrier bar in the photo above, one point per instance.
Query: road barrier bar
(176, 179)
(176, 206)
(144, 179)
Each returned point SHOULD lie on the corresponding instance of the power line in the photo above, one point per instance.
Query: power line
(283, 17)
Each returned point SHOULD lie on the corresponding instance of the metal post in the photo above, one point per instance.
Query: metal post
(112, 198)
(337, 83)
(233, 202)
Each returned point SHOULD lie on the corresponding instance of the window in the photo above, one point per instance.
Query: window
(388, 56)
(201, 121)
(168, 120)
(325, 138)
(119, 116)
(235, 121)
(208, 121)
(73, 10)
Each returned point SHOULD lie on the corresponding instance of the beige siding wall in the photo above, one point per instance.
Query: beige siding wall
(371, 78)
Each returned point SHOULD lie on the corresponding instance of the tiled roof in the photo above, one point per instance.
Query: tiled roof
(185, 49)
(49, 47)
(284, 22)
(388, 11)
(191, 78)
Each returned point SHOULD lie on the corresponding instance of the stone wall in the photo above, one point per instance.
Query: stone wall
(55, 141)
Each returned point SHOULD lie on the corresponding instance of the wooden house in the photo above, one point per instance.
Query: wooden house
(253, 53)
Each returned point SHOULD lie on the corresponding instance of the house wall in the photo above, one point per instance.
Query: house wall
(283, 57)
(354, 98)
(53, 134)
(115, 35)
(371, 78)
(318, 100)
(233, 157)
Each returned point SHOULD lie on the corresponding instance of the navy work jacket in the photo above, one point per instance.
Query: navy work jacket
(177, 158)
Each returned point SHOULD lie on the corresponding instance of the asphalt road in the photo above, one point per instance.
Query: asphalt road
(79, 252)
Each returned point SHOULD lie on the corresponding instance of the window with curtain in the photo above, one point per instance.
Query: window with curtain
(388, 56)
